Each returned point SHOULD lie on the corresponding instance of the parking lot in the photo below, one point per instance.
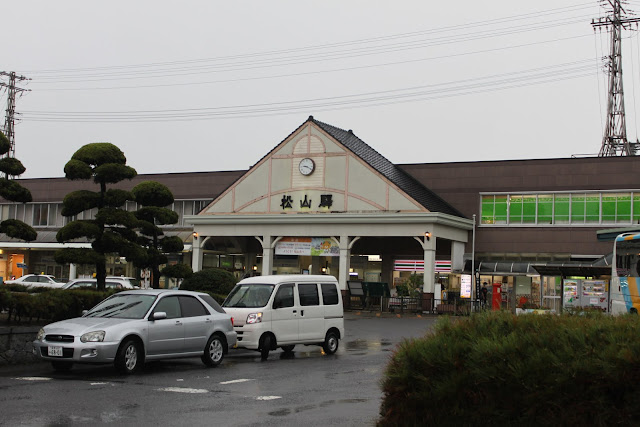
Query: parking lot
(307, 388)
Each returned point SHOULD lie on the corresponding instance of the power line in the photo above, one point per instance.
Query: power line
(540, 75)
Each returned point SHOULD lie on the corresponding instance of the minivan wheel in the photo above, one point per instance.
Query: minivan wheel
(213, 352)
(61, 366)
(288, 348)
(330, 345)
(266, 347)
(129, 358)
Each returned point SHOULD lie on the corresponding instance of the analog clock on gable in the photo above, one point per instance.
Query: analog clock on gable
(306, 166)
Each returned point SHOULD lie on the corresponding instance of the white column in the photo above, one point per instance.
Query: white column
(72, 271)
(196, 254)
(428, 244)
(429, 270)
(268, 244)
(345, 258)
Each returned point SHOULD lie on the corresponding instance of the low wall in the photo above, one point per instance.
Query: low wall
(16, 344)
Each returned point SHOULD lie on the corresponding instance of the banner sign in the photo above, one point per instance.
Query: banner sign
(465, 286)
(417, 265)
(314, 246)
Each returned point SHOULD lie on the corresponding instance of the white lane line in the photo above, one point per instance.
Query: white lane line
(241, 380)
(268, 397)
(32, 379)
(98, 383)
(184, 390)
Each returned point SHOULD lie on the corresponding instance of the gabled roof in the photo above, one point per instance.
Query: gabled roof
(397, 176)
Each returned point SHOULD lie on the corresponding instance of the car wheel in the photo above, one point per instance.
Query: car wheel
(288, 348)
(330, 345)
(62, 366)
(213, 352)
(129, 358)
(266, 347)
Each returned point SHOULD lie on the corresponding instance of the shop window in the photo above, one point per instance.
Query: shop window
(488, 213)
(561, 208)
(515, 209)
(592, 208)
(578, 208)
(636, 208)
(623, 208)
(529, 209)
(545, 209)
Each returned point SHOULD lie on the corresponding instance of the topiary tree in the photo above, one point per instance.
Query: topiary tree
(113, 229)
(177, 271)
(214, 280)
(153, 197)
(14, 192)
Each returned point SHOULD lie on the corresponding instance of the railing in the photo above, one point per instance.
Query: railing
(423, 304)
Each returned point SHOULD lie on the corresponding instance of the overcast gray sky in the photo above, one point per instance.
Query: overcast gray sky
(214, 85)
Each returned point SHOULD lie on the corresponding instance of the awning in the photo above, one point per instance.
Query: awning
(601, 267)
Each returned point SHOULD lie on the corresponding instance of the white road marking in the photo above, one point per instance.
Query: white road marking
(99, 383)
(184, 390)
(179, 379)
(268, 397)
(241, 380)
(32, 379)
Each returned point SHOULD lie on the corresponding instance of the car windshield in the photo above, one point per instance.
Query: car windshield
(252, 295)
(124, 306)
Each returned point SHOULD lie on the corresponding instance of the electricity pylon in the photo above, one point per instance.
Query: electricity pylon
(9, 118)
(614, 141)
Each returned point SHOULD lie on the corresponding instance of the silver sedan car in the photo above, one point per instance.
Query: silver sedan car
(133, 326)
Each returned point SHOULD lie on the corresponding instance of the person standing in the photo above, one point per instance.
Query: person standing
(483, 294)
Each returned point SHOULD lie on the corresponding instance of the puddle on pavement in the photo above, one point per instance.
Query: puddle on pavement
(359, 345)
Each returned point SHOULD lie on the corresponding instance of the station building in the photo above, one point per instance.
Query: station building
(324, 201)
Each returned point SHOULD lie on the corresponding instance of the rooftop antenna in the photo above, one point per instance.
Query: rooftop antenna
(614, 141)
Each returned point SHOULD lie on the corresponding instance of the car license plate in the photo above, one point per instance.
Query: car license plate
(55, 351)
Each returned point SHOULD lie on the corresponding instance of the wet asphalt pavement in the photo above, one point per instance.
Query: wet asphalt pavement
(308, 388)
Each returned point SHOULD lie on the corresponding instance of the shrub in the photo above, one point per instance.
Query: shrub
(498, 369)
(49, 305)
(213, 280)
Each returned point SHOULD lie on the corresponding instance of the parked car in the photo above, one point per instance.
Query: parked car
(36, 280)
(131, 327)
(128, 282)
(110, 283)
(285, 310)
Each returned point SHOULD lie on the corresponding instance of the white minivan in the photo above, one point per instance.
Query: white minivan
(284, 310)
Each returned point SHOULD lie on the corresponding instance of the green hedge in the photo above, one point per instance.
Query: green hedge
(48, 305)
(213, 280)
(499, 369)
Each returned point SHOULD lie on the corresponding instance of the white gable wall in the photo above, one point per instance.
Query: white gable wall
(349, 183)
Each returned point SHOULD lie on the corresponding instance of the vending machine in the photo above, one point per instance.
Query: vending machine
(595, 294)
(570, 293)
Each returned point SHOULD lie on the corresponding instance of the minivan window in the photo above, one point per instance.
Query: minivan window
(252, 295)
(329, 294)
(308, 293)
(284, 297)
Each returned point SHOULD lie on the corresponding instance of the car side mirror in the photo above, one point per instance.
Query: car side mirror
(159, 315)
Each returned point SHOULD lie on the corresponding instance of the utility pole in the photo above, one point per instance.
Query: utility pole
(614, 141)
(9, 118)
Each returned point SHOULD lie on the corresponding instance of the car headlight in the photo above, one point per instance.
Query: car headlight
(95, 336)
(254, 318)
(40, 335)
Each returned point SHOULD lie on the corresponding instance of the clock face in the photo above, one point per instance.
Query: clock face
(306, 166)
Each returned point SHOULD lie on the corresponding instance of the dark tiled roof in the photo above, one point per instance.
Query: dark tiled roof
(397, 176)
